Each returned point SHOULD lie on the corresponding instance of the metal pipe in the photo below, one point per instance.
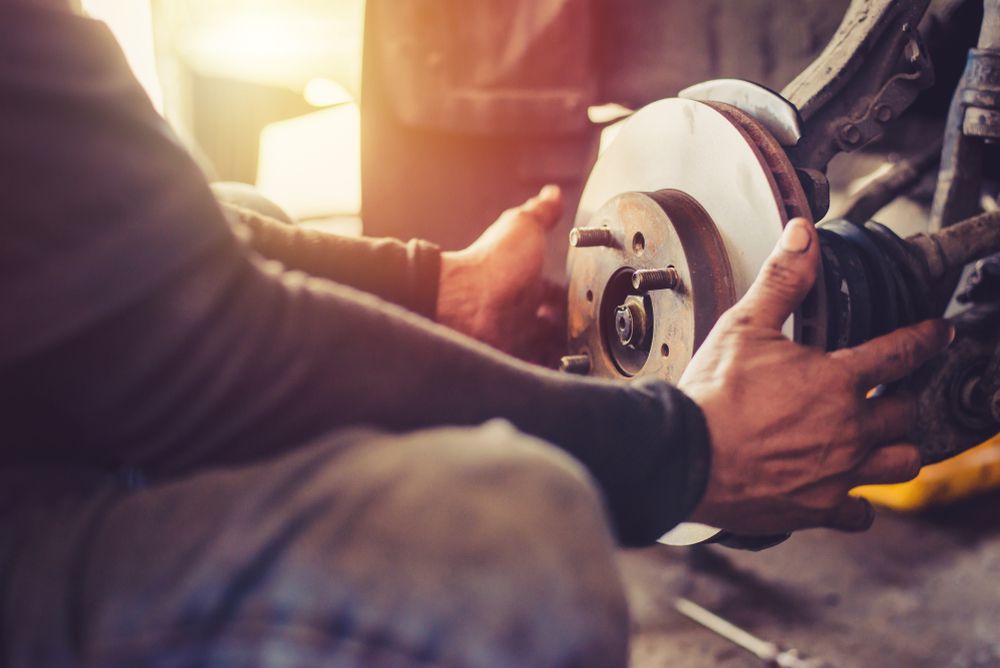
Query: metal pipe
(957, 245)
(883, 189)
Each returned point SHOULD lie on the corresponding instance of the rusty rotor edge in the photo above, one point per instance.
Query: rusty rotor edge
(810, 325)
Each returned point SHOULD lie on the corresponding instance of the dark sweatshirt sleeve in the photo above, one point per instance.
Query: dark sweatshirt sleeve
(139, 332)
(230, 360)
(404, 273)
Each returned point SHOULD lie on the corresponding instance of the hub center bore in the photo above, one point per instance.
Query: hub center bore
(632, 322)
(645, 293)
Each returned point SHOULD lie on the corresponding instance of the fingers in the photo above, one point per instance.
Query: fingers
(897, 354)
(890, 464)
(887, 465)
(550, 192)
(545, 207)
(888, 418)
(853, 514)
(785, 279)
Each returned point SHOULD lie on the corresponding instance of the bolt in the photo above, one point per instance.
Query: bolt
(883, 113)
(582, 237)
(631, 322)
(850, 134)
(979, 122)
(578, 364)
(656, 279)
(624, 324)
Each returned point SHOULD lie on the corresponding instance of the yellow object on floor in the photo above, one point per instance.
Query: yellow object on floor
(972, 472)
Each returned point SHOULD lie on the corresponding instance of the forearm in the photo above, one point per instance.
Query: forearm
(260, 362)
(404, 273)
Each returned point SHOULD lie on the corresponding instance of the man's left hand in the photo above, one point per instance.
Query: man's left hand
(493, 290)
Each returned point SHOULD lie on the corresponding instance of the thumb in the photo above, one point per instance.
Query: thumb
(785, 278)
(546, 207)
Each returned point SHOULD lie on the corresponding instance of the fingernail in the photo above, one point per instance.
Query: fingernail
(549, 192)
(796, 237)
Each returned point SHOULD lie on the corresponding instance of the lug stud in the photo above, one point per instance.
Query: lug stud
(578, 364)
(656, 279)
(582, 237)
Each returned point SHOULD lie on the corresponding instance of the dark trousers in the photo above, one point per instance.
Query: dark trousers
(448, 547)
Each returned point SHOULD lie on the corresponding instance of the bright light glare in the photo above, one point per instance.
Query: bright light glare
(326, 93)
(311, 165)
(252, 43)
(132, 25)
(277, 46)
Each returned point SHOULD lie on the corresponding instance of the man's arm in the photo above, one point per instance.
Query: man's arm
(138, 331)
(404, 273)
(229, 361)
(493, 290)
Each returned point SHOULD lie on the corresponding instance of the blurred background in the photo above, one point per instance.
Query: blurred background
(262, 91)
(445, 112)
(468, 107)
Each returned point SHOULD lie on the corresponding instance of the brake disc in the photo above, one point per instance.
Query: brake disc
(678, 216)
(698, 192)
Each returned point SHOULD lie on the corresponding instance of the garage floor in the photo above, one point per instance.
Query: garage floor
(917, 591)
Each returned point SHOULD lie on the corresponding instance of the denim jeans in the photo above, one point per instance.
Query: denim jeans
(446, 547)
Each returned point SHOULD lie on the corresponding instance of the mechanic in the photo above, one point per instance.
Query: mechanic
(210, 459)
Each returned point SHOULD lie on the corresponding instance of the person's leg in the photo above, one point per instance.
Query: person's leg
(450, 547)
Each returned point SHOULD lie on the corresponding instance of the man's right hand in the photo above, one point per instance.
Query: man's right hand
(792, 430)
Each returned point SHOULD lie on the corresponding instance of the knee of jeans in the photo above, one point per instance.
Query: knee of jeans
(469, 546)
(497, 453)
(534, 549)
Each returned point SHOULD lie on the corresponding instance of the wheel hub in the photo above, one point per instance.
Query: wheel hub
(653, 288)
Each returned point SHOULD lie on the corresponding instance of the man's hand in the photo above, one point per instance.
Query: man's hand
(792, 430)
(493, 290)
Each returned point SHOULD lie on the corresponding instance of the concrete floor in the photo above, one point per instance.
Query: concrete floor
(917, 591)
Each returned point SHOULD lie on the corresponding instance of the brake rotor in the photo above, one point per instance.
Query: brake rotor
(630, 331)
(699, 190)
(677, 218)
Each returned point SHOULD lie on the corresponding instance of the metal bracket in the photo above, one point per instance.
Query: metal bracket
(980, 95)
(960, 173)
(872, 70)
